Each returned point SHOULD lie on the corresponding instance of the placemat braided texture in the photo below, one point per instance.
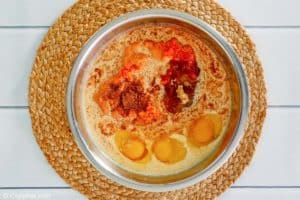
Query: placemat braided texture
(48, 88)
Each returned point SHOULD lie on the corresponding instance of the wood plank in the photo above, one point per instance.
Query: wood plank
(40, 194)
(277, 48)
(276, 162)
(17, 53)
(32, 12)
(231, 194)
(248, 12)
(264, 12)
(22, 161)
(261, 194)
(278, 51)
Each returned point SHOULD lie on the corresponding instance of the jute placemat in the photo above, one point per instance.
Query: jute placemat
(48, 88)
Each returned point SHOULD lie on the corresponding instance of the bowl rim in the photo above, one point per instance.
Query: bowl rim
(224, 45)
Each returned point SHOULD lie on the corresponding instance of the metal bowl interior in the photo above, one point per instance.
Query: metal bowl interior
(85, 140)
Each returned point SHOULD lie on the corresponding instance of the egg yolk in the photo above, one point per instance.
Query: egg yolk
(168, 150)
(205, 129)
(130, 145)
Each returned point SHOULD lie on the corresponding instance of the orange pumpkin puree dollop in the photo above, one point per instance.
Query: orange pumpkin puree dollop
(124, 94)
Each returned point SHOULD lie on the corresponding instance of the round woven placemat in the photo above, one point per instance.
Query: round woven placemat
(48, 88)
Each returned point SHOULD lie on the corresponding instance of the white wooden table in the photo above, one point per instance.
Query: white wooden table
(275, 170)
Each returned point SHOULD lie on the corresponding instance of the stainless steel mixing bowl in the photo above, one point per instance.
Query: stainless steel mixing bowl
(86, 141)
